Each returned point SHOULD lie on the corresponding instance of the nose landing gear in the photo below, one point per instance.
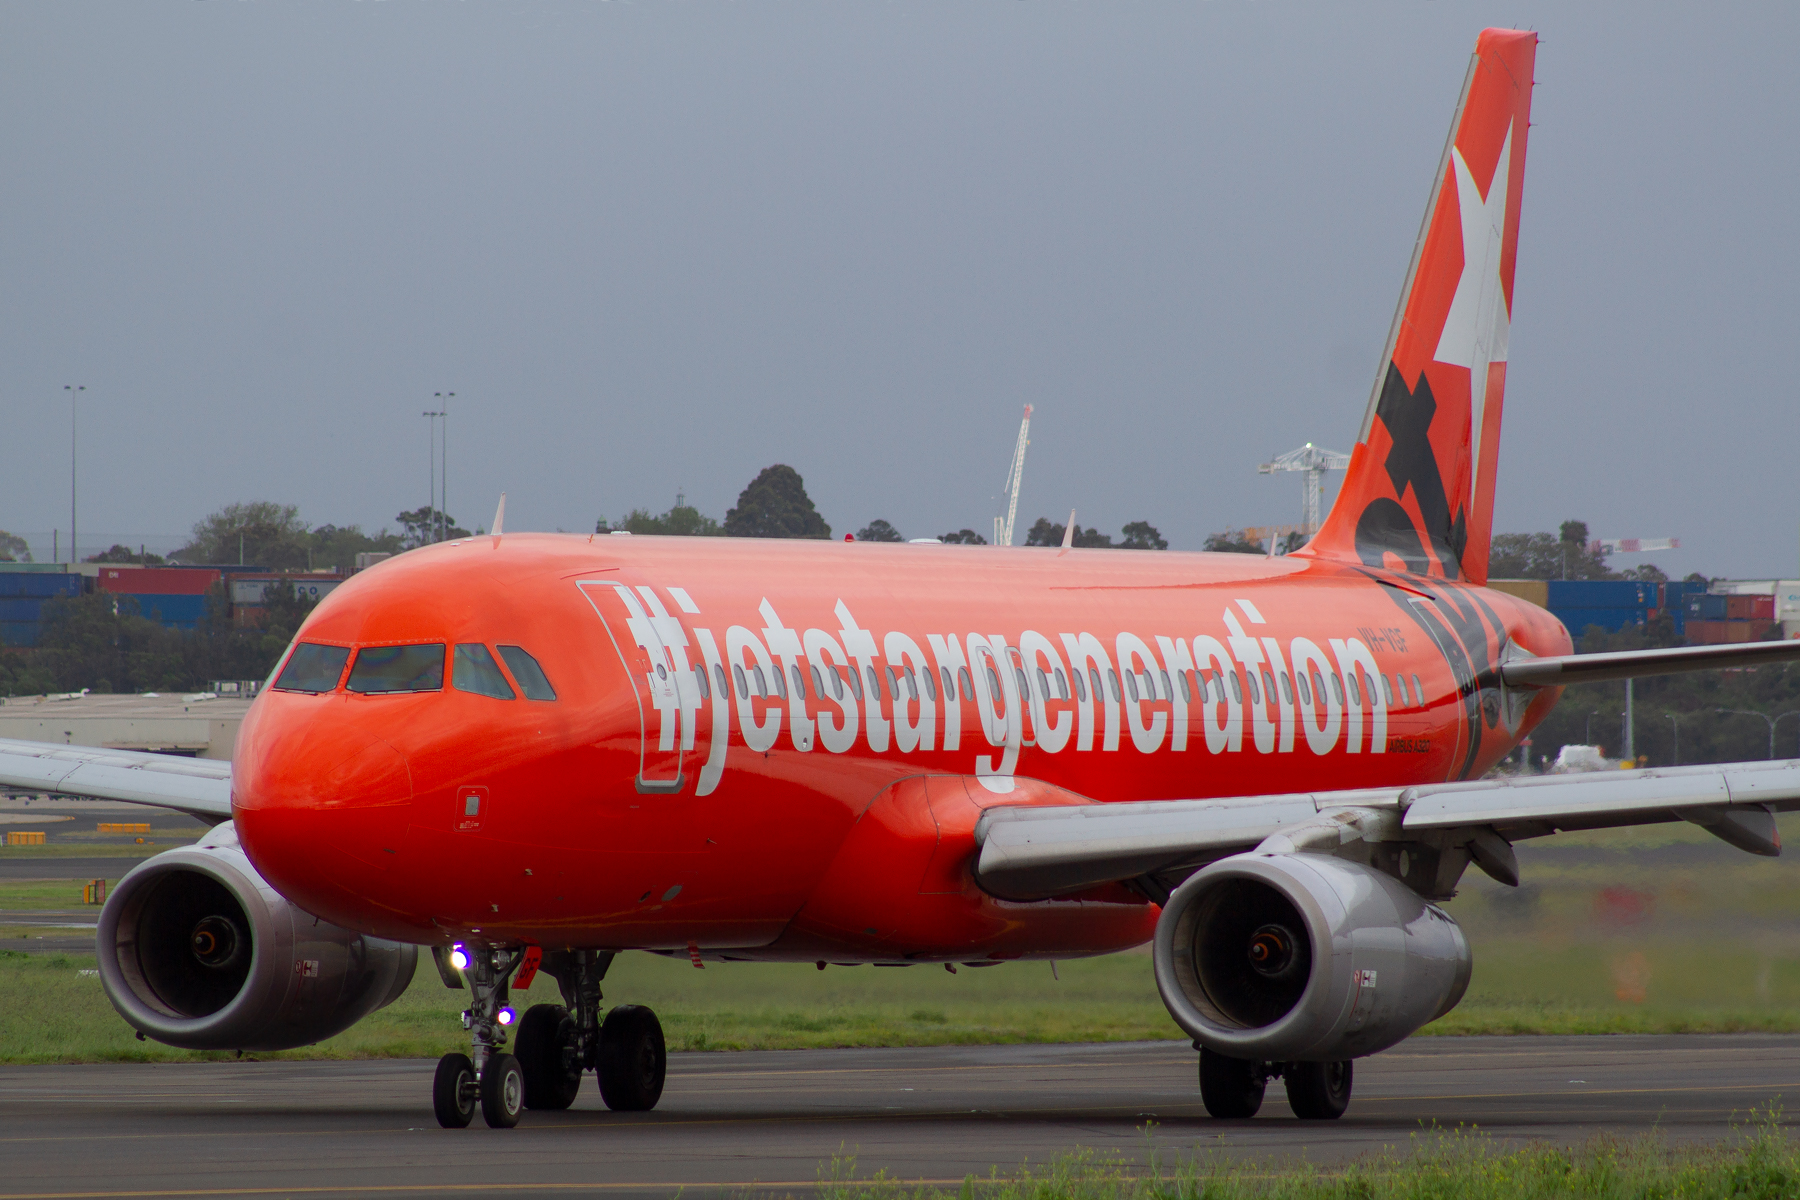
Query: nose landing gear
(556, 1043)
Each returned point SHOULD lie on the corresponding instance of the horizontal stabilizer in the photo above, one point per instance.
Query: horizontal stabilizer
(200, 787)
(1628, 664)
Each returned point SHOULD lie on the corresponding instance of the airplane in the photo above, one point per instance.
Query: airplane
(531, 752)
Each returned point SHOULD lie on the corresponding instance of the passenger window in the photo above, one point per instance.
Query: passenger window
(1355, 692)
(994, 683)
(1112, 677)
(1255, 692)
(1237, 692)
(968, 684)
(799, 682)
(1187, 690)
(719, 675)
(1387, 690)
(874, 684)
(737, 673)
(1418, 692)
(1305, 692)
(1044, 685)
(1024, 687)
(912, 684)
(398, 669)
(1131, 688)
(762, 682)
(473, 669)
(1337, 689)
(855, 682)
(1168, 692)
(818, 682)
(930, 678)
(1062, 685)
(893, 685)
(526, 673)
(837, 682)
(313, 668)
(1094, 678)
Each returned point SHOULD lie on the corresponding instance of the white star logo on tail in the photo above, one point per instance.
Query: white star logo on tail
(1476, 328)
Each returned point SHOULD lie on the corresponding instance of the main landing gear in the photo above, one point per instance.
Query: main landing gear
(556, 1043)
(1233, 1087)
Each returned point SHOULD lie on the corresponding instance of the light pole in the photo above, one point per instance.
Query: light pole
(74, 391)
(443, 399)
(431, 458)
(1772, 721)
(1587, 731)
(1677, 722)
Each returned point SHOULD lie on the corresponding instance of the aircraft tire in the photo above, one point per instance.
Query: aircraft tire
(545, 1033)
(1319, 1091)
(453, 1091)
(502, 1091)
(1231, 1088)
(633, 1059)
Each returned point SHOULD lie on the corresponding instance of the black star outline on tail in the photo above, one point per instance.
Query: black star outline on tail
(1384, 526)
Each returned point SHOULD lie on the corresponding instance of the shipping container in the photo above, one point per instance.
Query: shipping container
(1612, 620)
(19, 633)
(1744, 587)
(1749, 607)
(1601, 593)
(1535, 591)
(41, 586)
(1707, 607)
(1787, 600)
(24, 568)
(21, 608)
(159, 581)
(249, 590)
(1719, 633)
(175, 610)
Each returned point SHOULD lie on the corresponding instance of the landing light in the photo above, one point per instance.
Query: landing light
(505, 1016)
(459, 958)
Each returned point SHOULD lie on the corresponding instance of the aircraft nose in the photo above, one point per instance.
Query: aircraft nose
(322, 802)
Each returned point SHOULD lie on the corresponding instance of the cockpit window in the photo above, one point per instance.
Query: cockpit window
(525, 669)
(312, 668)
(398, 669)
(473, 669)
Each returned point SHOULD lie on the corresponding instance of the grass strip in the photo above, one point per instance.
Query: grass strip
(1758, 1162)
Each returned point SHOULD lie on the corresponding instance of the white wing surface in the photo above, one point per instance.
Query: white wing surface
(200, 787)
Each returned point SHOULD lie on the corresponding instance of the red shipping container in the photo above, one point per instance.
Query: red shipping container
(1763, 609)
(1754, 607)
(160, 581)
(1706, 633)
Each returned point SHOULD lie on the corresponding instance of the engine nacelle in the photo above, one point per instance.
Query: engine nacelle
(197, 951)
(1305, 958)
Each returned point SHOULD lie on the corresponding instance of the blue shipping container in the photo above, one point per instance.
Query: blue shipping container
(18, 633)
(178, 611)
(1706, 608)
(39, 585)
(21, 608)
(1601, 593)
(1612, 619)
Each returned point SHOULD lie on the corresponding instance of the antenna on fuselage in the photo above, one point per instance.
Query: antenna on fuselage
(499, 518)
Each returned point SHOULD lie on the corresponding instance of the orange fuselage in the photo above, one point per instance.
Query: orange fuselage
(834, 819)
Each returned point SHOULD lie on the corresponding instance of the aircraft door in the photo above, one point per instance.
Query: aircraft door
(653, 646)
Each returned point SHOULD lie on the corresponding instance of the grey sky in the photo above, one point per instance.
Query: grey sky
(662, 245)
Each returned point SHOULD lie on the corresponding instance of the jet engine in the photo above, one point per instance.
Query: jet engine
(197, 950)
(1304, 958)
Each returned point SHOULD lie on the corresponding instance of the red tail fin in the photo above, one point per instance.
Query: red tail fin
(1419, 495)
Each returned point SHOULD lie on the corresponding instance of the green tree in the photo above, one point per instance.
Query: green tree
(425, 525)
(878, 530)
(963, 537)
(259, 532)
(335, 547)
(776, 505)
(1045, 532)
(1142, 535)
(1565, 555)
(125, 554)
(683, 520)
(1292, 542)
(1233, 541)
(13, 548)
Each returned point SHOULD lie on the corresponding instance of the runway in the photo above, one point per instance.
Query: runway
(732, 1123)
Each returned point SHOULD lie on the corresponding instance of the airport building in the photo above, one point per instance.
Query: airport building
(197, 725)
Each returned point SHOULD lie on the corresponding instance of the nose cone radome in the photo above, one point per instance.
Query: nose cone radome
(322, 804)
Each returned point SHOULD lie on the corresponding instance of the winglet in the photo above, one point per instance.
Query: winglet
(1069, 531)
(499, 518)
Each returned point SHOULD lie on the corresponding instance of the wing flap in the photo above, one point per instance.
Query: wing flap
(198, 786)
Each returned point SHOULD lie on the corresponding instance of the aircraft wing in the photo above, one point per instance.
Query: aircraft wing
(1031, 853)
(200, 787)
(1565, 669)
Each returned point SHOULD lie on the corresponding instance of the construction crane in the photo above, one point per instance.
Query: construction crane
(1015, 474)
(1314, 462)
